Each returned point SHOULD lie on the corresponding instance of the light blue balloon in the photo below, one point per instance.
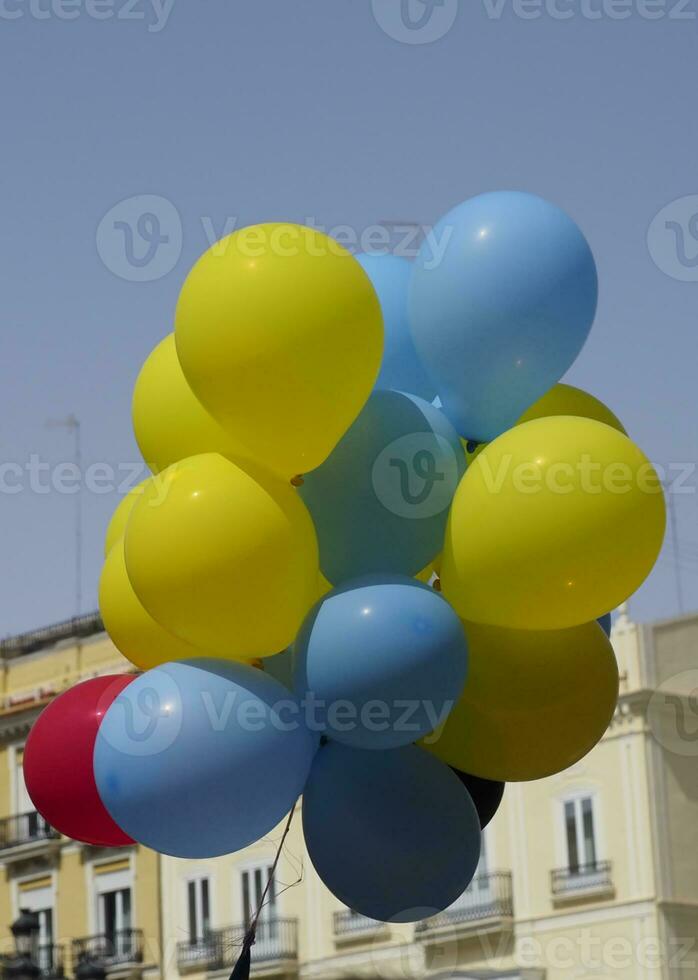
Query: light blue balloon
(394, 835)
(380, 501)
(401, 368)
(383, 660)
(202, 757)
(502, 298)
(605, 623)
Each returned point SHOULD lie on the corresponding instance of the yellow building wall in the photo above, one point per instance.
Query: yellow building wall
(39, 676)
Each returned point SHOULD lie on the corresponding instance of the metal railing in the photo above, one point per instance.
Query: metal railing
(349, 923)
(111, 949)
(276, 939)
(25, 828)
(488, 896)
(202, 953)
(49, 958)
(78, 626)
(583, 877)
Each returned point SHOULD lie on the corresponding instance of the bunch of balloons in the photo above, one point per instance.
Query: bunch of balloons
(370, 561)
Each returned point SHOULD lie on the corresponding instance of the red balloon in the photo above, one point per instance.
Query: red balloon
(58, 762)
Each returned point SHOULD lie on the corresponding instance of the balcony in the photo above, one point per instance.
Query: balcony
(113, 951)
(485, 906)
(49, 958)
(582, 883)
(26, 835)
(275, 949)
(350, 926)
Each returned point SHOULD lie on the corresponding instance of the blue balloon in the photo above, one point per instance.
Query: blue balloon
(605, 623)
(394, 835)
(202, 757)
(401, 368)
(384, 661)
(380, 501)
(500, 315)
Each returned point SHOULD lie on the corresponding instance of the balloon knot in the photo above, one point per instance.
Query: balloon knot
(297, 481)
(436, 585)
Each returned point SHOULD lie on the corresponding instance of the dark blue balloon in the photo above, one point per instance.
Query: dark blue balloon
(380, 501)
(605, 623)
(394, 835)
(502, 298)
(280, 667)
(383, 660)
(202, 757)
(401, 368)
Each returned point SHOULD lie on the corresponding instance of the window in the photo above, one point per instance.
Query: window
(198, 907)
(480, 883)
(254, 881)
(580, 837)
(30, 824)
(22, 798)
(37, 896)
(114, 910)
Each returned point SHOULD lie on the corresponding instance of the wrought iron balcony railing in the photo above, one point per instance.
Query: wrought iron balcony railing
(348, 924)
(488, 896)
(49, 958)
(25, 828)
(111, 949)
(581, 878)
(276, 939)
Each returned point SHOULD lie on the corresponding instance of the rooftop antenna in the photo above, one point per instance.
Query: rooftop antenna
(72, 423)
(674, 531)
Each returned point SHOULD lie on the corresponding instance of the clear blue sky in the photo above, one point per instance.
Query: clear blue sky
(292, 108)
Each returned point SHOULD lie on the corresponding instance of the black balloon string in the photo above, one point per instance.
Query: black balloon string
(241, 970)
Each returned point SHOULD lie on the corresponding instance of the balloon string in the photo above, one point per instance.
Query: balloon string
(253, 925)
(241, 969)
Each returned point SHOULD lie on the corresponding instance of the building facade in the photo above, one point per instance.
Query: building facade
(591, 873)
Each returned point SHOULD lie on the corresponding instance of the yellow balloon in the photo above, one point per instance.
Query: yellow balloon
(222, 557)
(562, 399)
(535, 702)
(565, 399)
(117, 524)
(556, 522)
(324, 586)
(133, 632)
(280, 334)
(169, 421)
